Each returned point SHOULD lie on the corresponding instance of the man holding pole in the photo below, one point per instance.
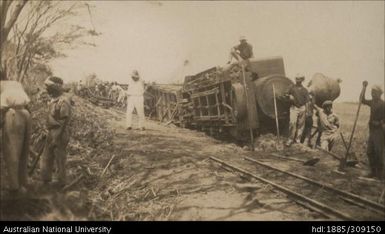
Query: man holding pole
(376, 142)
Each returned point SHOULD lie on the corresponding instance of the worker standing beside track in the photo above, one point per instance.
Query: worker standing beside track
(135, 100)
(298, 96)
(376, 141)
(59, 114)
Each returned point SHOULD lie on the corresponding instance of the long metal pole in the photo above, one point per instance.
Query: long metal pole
(248, 108)
(276, 114)
(342, 166)
(343, 141)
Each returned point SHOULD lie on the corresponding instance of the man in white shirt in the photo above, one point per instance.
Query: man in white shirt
(135, 100)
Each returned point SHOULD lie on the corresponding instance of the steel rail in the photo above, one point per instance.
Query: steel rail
(374, 205)
(313, 202)
(355, 197)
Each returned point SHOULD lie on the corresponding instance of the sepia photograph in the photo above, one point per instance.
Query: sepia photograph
(191, 111)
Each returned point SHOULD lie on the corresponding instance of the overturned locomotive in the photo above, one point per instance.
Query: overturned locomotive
(226, 100)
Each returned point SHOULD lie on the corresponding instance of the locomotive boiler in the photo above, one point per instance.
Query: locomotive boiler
(227, 99)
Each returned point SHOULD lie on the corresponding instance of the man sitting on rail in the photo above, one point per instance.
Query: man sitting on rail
(329, 125)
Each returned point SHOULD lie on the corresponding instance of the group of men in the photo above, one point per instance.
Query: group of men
(303, 107)
(105, 89)
(118, 94)
(301, 115)
(301, 119)
(13, 97)
(130, 98)
(17, 126)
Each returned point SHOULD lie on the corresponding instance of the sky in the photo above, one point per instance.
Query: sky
(340, 39)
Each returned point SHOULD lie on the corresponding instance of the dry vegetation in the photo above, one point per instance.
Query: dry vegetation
(347, 113)
(161, 174)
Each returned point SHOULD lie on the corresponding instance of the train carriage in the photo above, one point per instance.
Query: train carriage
(226, 100)
(162, 102)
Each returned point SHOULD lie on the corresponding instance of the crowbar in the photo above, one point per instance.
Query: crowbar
(310, 162)
(351, 163)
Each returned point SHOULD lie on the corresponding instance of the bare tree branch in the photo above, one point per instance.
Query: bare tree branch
(30, 47)
(15, 14)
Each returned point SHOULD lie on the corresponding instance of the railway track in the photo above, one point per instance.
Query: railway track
(328, 201)
(318, 196)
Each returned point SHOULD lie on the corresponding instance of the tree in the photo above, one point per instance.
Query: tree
(31, 43)
(7, 8)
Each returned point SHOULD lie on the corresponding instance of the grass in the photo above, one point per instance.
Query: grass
(347, 113)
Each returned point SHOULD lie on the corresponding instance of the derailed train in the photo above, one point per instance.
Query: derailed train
(221, 100)
(217, 101)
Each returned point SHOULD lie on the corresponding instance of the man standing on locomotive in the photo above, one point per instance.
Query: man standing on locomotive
(135, 100)
(376, 142)
(298, 96)
(241, 52)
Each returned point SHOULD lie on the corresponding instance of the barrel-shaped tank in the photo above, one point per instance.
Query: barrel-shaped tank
(324, 88)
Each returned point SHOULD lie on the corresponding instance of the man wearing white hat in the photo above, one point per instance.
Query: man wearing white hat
(243, 51)
(376, 141)
(298, 97)
(135, 92)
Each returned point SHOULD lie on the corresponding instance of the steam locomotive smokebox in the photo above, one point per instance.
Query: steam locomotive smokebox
(265, 97)
(324, 88)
